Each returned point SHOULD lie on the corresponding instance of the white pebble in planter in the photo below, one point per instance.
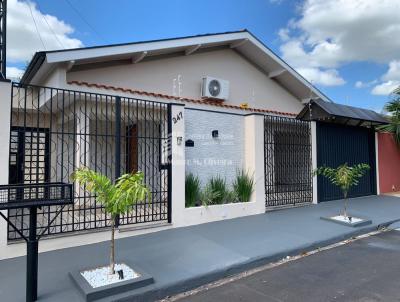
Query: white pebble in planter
(101, 276)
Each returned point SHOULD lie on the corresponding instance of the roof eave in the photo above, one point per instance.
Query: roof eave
(33, 67)
(303, 114)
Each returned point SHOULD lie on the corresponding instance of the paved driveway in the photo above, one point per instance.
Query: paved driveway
(365, 270)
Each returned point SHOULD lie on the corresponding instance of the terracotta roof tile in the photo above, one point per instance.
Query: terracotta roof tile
(210, 102)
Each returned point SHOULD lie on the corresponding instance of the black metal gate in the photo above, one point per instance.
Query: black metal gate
(339, 144)
(288, 165)
(54, 131)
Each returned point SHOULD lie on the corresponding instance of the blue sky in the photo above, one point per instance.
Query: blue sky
(335, 57)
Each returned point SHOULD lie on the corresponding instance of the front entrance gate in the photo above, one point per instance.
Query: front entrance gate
(339, 144)
(288, 165)
(54, 131)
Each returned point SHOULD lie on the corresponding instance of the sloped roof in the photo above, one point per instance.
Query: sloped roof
(243, 42)
(318, 110)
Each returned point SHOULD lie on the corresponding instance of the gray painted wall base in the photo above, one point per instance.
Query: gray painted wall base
(91, 294)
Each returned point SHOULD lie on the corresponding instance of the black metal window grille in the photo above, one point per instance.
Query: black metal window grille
(288, 165)
(54, 131)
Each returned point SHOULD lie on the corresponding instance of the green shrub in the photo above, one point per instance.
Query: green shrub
(192, 190)
(208, 196)
(230, 197)
(217, 185)
(243, 186)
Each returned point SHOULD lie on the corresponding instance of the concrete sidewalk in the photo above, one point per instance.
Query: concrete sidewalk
(180, 259)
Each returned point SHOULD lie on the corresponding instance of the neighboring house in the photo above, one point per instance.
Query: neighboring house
(389, 163)
(210, 105)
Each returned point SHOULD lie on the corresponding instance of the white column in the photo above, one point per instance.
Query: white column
(254, 156)
(378, 191)
(82, 156)
(177, 144)
(82, 146)
(314, 160)
(5, 112)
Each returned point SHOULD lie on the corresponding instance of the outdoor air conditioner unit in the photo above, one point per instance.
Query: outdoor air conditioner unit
(215, 88)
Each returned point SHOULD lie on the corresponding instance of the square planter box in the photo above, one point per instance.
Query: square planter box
(360, 221)
(91, 294)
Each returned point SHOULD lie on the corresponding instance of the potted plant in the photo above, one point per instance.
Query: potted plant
(117, 198)
(345, 177)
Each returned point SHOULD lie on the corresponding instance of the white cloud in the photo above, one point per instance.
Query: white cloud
(385, 88)
(284, 34)
(22, 38)
(329, 77)
(361, 84)
(14, 72)
(331, 33)
(390, 80)
(394, 71)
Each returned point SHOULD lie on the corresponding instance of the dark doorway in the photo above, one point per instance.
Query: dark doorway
(132, 149)
(29, 155)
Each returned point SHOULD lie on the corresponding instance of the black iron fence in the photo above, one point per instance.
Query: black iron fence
(54, 131)
(288, 165)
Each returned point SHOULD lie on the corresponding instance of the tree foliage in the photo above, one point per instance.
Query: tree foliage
(116, 198)
(344, 176)
(393, 109)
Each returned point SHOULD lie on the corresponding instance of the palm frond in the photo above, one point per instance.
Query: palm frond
(117, 199)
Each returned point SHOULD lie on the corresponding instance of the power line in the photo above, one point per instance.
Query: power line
(37, 30)
(85, 21)
(51, 29)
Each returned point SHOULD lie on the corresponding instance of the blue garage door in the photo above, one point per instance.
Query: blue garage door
(338, 144)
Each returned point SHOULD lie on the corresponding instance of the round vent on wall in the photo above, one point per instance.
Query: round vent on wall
(214, 87)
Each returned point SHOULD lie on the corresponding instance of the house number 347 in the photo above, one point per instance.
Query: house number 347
(178, 117)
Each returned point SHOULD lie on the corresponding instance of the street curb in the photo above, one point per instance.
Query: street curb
(189, 284)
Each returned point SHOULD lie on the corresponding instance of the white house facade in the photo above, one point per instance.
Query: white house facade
(208, 105)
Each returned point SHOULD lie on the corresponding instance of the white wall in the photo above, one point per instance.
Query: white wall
(247, 82)
(178, 163)
(254, 155)
(251, 148)
(5, 99)
(55, 78)
(209, 157)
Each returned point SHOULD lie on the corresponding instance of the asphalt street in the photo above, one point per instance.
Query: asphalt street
(364, 270)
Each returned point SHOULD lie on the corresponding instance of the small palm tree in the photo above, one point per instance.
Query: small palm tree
(345, 177)
(117, 198)
(393, 108)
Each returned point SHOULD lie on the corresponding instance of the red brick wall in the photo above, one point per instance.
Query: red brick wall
(389, 163)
